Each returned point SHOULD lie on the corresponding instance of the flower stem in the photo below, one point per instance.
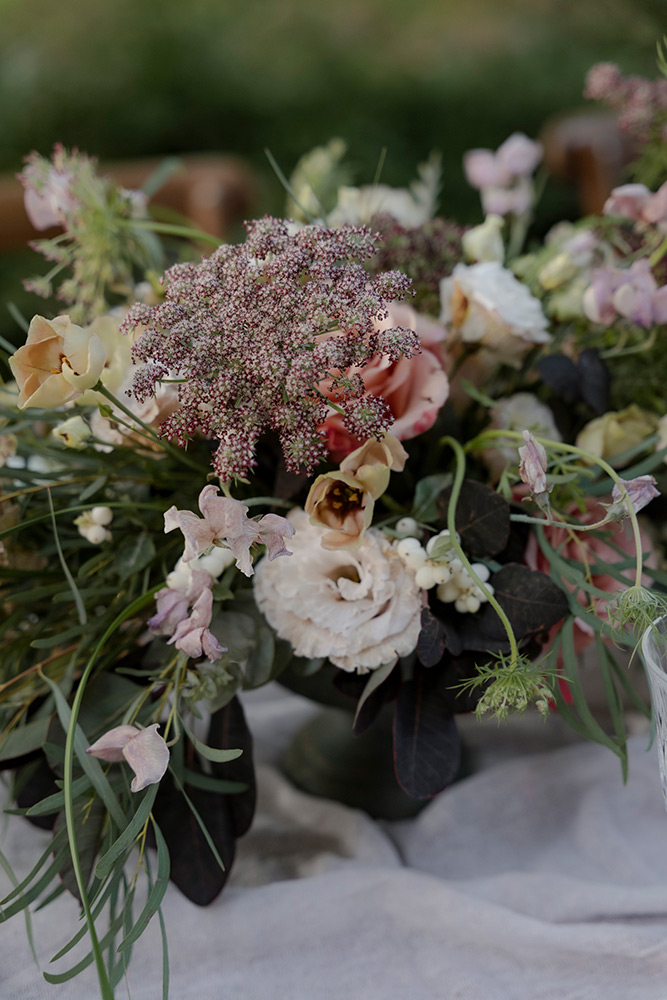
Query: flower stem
(451, 526)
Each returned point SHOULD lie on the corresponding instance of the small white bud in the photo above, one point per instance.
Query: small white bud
(101, 515)
(482, 571)
(461, 605)
(406, 526)
(408, 546)
(96, 534)
(424, 577)
(448, 592)
(472, 604)
(441, 573)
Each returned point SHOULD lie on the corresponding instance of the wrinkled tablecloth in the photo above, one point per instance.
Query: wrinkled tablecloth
(540, 877)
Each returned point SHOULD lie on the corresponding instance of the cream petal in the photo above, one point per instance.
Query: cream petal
(148, 756)
(111, 745)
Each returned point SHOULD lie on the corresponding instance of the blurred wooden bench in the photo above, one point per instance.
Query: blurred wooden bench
(214, 192)
(587, 149)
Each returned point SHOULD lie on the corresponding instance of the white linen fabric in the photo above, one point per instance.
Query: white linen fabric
(541, 877)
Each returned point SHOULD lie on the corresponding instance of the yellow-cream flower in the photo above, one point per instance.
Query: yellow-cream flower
(616, 432)
(58, 362)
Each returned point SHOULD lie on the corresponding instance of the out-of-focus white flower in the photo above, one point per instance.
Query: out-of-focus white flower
(358, 607)
(616, 432)
(485, 304)
(514, 413)
(485, 242)
(143, 749)
(74, 433)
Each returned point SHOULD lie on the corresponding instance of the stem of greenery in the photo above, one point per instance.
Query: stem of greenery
(459, 454)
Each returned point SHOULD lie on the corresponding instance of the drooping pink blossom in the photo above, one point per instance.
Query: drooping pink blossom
(533, 467)
(144, 750)
(632, 293)
(226, 520)
(193, 635)
(640, 492)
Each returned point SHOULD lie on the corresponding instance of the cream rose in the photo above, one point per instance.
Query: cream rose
(485, 304)
(360, 608)
(57, 363)
(616, 432)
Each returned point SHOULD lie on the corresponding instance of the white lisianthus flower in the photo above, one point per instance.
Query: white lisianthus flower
(485, 304)
(360, 608)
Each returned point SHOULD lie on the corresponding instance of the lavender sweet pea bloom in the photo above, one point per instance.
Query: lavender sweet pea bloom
(640, 492)
(143, 749)
(533, 467)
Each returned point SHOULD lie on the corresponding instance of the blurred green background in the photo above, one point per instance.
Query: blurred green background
(126, 78)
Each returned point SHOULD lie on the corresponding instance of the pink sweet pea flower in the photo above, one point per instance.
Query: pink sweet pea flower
(143, 749)
(227, 520)
(533, 467)
(193, 635)
(47, 199)
(640, 492)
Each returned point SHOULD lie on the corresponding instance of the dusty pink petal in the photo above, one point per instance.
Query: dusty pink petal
(273, 530)
(518, 155)
(655, 209)
(481, 169)
(640, 492)
(197, 532)
(628, 200)
(111, 745)
(210, 645)
(148, 756)
(533, 467)
(224, 515)
(172, 608)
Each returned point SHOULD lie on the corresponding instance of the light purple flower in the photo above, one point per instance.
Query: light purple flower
(628, 201)
(640, 492)
(481, 169)
(514, 200)
(143, 749)
(227, 520)
(47, 197)
(518, 155)
(193, 635)
(632, 293)
(516, 158)
(533, 467)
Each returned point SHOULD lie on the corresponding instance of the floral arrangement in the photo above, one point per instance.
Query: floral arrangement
(363, 444)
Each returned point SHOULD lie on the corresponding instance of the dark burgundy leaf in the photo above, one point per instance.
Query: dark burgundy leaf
(560, 374)
(427, 748)
(35, 782)
(594, 380)
(531, 600)
(383, 693)
(482, 518)
(349, 684)
(194, 868)
(432, 639)
(229, 730)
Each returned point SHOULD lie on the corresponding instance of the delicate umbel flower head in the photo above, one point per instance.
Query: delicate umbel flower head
(249, 331)
(143, 749)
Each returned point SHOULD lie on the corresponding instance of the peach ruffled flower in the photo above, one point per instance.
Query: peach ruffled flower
(57, 363)
(414, 388)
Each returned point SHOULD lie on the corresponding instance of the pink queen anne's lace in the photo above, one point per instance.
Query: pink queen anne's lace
(254, 330)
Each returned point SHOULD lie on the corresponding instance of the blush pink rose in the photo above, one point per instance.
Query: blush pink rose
(413, 388)
(591, 547)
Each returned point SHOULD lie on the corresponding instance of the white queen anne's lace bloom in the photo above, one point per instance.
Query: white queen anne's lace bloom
(360, 607)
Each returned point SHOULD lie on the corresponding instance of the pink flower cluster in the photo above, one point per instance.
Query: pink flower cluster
(249, 332)
(632, 293)
(185, 606)
(504, 177)
(636, 202)
(639, 103)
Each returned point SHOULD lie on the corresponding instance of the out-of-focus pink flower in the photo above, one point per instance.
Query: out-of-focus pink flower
(632, 293)
(143, 749)
(227, 520)
(628, 201)
(586, 547)
(516, 157)
(414, 388)
(533, 467)
(47, 198)
(640, 492)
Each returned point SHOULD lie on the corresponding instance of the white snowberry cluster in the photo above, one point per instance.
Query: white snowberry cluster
(438, 566)
(93, 524)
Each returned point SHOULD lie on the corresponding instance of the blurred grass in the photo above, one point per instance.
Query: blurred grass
(121, 78)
